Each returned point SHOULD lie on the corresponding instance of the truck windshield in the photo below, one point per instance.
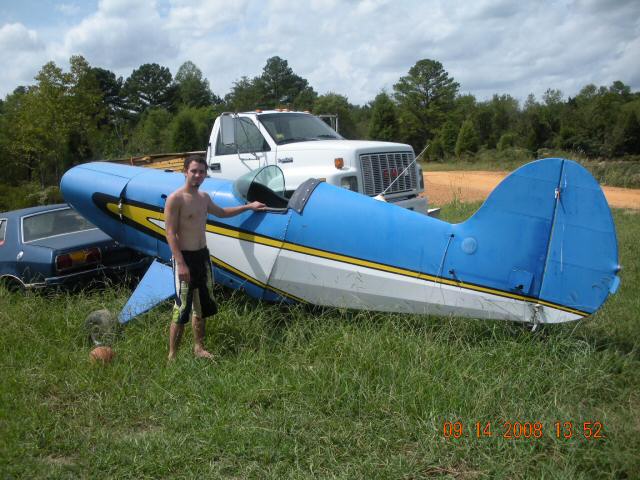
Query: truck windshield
(296, 127)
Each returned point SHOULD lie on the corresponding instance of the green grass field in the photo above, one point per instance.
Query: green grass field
(325, 394)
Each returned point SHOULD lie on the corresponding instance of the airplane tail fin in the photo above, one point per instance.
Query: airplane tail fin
(548, 229)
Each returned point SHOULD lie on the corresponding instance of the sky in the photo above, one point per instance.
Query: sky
(354, 48)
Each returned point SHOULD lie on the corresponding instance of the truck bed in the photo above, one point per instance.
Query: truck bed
(161, 161)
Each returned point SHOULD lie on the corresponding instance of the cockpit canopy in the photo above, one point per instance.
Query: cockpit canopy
(264, 185)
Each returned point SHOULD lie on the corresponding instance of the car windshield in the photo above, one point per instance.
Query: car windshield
(56, 222)
(296, 127)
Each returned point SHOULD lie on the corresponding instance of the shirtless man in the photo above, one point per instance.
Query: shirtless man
(186, 218)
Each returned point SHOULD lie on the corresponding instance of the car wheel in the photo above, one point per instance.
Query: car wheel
(12, 284)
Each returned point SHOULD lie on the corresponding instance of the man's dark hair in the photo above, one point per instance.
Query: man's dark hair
(193, 158)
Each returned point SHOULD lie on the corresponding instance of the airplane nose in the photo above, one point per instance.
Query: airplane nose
(87, 187)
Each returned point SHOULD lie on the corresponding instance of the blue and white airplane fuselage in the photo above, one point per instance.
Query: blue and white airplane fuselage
(541, 249)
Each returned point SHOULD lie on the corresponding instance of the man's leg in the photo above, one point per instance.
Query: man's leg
(197, 322)
(198, 337)
(175, 335)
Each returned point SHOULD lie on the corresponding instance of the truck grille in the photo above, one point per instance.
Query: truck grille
(381, 169)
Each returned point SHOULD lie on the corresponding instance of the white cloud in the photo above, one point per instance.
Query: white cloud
(202, 17)
(121, 35)
(22, 53)
(357, 48)
(17, 37)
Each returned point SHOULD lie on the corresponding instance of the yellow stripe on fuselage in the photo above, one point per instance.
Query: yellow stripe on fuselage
(141, 216)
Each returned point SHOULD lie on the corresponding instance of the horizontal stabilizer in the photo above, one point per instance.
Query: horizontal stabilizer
(155, 287)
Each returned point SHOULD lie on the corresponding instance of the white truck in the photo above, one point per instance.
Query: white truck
(304, 146)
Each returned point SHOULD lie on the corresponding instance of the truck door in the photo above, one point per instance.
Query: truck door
(250, 152)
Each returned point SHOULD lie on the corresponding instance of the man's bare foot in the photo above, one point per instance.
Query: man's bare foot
(202, 353)
(171, 357)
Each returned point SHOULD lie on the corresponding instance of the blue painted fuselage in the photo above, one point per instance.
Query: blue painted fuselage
(542, 248)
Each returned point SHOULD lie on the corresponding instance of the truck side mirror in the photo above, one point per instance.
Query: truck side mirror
(228, 130)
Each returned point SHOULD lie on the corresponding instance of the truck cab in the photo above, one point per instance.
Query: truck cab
(304, 147)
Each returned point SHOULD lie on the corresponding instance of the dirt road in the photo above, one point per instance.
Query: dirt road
(443, 187)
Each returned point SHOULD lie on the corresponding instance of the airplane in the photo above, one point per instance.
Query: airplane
(541, 249)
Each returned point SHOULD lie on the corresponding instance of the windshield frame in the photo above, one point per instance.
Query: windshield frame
(325, 132)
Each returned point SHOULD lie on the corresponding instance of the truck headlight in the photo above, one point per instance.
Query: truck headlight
(350, 183)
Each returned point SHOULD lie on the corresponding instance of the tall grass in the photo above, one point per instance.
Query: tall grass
(299, 393)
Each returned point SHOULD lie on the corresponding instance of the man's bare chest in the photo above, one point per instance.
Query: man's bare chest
(193, 211)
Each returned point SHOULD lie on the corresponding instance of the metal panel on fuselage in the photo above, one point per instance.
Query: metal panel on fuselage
(244, 248)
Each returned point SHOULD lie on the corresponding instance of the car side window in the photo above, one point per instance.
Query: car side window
(3, 230)
(248, 138)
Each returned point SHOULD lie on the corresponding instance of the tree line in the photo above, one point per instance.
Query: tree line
(88, 113)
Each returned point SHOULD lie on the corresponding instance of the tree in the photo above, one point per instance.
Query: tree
(111, 88)
(305, 99)
(468, 141)
(507, 140)
(13, 169)
(53, 123)
(333, 103)
(504, 116)
(149, 86)
(448, 136)
(151, 133)
(244, 95)
(278, 85)
(184, 134)
(626, 135)
(424, 97)
(384, 119)
(192, 88)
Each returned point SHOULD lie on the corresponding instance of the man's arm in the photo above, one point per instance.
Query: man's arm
(226, 212)
(172, 222)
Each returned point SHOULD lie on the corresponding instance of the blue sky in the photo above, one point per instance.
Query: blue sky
(355, 48)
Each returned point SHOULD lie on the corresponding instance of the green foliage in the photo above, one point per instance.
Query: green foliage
(507, 140)
(333, 103)
(443, 146)
(190, 129)
(149, 86)
(424, 98)
(468, 141)
(626, 134)
(111, 89)
(50, 125)
(89, 113)
(192, 88)
(15, 197)
(151, 133)
(384, 119)
(305, 100)
(184, 137)
(279, 86)
(244, 95)
(494, 118)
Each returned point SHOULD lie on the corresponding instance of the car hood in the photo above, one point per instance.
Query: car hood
(76, 240)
